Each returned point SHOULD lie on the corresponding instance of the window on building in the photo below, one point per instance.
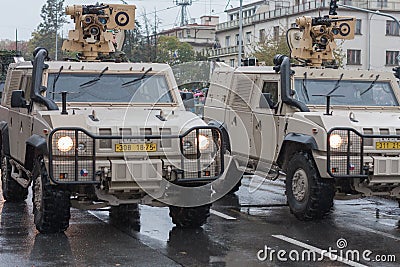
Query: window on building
(232, 63)
(262, 36)
(382, 3)
(353, 57)
(227, 41)
(392, 28)
(237, 39)
(276, 33)
(392, 58)
(358, 26)
(231, 17)
(188, 32)
(248, 37)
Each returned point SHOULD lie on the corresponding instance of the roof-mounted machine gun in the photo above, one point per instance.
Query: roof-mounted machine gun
(313, 42)
(98, 28)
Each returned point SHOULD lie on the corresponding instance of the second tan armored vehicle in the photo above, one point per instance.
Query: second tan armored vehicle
(330, 131)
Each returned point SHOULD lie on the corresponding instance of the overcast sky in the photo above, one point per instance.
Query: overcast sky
(24, 15)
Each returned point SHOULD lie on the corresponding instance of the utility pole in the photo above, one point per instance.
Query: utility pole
(184, 13)
(240, 33)
(155, 34)
(56, 57)
(16, 42)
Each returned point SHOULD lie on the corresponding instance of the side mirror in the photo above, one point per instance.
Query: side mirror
(18, 99)
(188, 100)
(266, 101)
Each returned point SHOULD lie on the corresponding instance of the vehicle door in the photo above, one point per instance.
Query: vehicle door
(240, 117)
(19, 121)
(265, 123)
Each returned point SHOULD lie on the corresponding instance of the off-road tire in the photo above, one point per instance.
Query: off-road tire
(317, 200)
(189, 217)
(12, 190)
(51, 205)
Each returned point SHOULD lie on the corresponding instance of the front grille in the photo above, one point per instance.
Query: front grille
(347, 159)
(200, 161)
(76, 164)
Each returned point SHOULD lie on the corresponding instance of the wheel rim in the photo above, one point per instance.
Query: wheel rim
(299, 184)
(38, 193)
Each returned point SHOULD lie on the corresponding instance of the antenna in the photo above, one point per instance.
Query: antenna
(184, 12)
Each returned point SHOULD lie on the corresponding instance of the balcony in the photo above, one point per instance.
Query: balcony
(234, 24)
(224, 51)
(197, 40)
(374, 4)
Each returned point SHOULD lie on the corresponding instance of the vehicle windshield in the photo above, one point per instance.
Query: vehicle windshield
(356, 93)
(89, 87)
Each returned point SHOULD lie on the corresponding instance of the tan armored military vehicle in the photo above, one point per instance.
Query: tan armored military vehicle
(95, 133)
(330, 131)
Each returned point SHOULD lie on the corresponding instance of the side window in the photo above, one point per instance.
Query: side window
(15, 81)
(271, 87)
(27, 87)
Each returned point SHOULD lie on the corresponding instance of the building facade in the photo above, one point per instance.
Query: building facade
(200, 36)
(376, 44)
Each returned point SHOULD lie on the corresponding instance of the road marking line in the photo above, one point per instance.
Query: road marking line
(318, 250)
(376, 232)
(97, 216)
(220, 214)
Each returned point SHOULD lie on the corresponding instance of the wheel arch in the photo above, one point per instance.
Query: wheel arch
(295, 142)
(36, 145)
(5, 142)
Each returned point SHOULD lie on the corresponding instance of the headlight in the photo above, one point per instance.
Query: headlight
(204, 142)
(335, 141)
(65, 144)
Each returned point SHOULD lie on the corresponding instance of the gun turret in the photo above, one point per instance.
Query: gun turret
(314, 41)
(97, 28)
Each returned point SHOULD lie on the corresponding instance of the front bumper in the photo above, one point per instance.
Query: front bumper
(182, 162)
(359, 156)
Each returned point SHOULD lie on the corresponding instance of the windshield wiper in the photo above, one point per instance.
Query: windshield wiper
(95, 79)
(329, 95)
(56, 79)
(337, 86)
(305, 91)
(138, 79)
(371, 85)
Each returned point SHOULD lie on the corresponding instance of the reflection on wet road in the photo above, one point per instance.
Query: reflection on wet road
(243, 230)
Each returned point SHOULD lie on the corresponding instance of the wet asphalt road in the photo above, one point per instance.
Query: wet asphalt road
(240, 226)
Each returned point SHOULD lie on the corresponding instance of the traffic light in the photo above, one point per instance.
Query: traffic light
(332, 7)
